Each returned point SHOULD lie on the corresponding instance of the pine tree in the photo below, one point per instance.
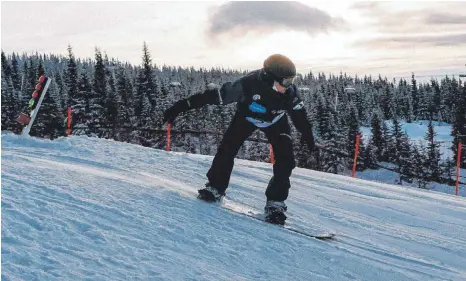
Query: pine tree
(323, 118)
(377, 140)
(71, 79)
(145, 88)
(99, 91)
(162, 102)
(15, 73)
(40, 69)
(257, 151)
(82, 108)
(414, 98)
(49, 121)
(437, 101)
(400, 152)
(447, 168)
(334, 160)
(8, 103)
(419, 163)
(84, 93)
(124, 91)
(6, 67)
(304, 158)
(404, 161)
(148, 79)
(386, 101)
(353, 131)
(32, 78)
(432, 163)
(112, 107)
(450, 99)
(369, 156)
(57, 78)
(144, 119)
(100, 79)
(424, 103)
(459, 124)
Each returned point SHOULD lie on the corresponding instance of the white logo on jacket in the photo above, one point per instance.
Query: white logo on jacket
(298, 106)
(278, 111)
(256, 97)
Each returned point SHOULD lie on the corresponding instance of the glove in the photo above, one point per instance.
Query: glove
(311, 145)
(171, 113)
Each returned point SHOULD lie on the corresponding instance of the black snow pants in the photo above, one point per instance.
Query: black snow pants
(278, 134)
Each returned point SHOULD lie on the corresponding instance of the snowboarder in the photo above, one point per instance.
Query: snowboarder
(263, 98)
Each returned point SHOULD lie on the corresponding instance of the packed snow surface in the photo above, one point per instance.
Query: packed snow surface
(83, 208)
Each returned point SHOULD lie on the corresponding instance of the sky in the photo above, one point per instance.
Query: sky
(393, 39)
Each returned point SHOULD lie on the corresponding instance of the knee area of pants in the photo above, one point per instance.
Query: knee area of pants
(286, 138)
(285, 164)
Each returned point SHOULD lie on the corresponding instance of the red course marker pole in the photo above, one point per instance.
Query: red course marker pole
(356, 152)
(458, 168)
(68, 130)
(272, 158)
(169, 127)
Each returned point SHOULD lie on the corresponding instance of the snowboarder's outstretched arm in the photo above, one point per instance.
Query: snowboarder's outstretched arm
(299, 117)
(229, 92)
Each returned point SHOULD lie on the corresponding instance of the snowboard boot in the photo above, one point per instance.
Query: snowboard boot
(275, 212)
(210, 194)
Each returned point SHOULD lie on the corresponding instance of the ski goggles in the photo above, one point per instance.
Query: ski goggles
(287, 82)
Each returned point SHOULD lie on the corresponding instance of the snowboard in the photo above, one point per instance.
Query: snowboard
(290, 225)
(322, 235)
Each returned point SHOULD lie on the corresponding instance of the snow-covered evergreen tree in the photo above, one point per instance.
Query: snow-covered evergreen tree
(353, 131)
(459, 123)
(49, 121)
(140, 94)
(377, 142)
(432, 156)
(71, 79)
(419, 162)
(369, 156)
(414, 98)
(99, 93)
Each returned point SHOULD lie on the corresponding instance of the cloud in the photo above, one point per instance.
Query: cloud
(365, 5)
(242, 17)
(445, 18)
(399, 42)
(423, 17)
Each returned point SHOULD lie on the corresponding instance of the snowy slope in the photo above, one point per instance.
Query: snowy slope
(87, 209)
(416, 132)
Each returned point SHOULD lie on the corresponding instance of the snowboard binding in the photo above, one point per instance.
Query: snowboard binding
(210, 194)
(275, 212)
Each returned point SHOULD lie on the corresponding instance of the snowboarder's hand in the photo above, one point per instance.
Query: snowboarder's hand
(171, 113)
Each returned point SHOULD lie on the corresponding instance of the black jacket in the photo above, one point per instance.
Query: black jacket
(259, 102)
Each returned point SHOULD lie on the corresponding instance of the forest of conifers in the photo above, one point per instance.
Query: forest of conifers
(114, 99)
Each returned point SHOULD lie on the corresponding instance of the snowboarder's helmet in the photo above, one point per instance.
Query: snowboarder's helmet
(281, 68)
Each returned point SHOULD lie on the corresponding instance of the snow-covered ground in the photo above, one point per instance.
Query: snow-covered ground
(416, 132)
(82, 208)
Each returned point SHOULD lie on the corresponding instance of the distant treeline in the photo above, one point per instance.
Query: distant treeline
(125, 102)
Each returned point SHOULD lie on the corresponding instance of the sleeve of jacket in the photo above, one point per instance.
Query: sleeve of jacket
(229, 92)
(298, 115)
